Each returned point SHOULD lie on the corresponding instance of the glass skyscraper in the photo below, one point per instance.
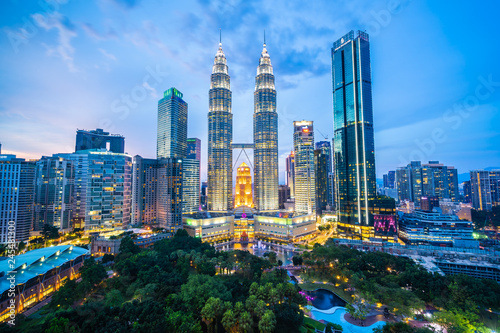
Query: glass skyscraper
(16, 197)
(220, 137)
(305, 184)
(172, 125)
(54, 184)
(354, 155)
(265, 133)
(290, 173)
(98, 139)
(326, 155)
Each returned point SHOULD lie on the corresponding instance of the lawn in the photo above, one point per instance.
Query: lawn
(312, 324)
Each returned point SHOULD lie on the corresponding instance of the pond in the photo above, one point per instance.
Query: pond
(323, 299)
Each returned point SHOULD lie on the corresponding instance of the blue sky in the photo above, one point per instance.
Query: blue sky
(68, 64)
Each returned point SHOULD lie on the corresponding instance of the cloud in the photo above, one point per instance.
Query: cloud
(92, 32)
(107, 55)
(66, 32)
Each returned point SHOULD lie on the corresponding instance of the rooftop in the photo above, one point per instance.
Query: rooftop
(37, 262)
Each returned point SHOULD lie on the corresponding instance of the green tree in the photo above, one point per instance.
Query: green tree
(230, 321)
(268, 322)
(49, 232)
(127, 246)
(60, 325)
(114, 298)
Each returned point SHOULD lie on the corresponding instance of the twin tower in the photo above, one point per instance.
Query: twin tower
(220, 137)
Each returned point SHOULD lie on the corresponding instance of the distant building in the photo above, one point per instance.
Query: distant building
(321, 160)
(418, 180)
(172, 125)
(284, 227)
(203, 195)
(389, 179)
(209, 226)
(467, 191)
(190, 185)
(485, 189)
(98, 139)
(326, 152)
(243, 187)
(305, 185)
(433, 228)
(103, 188)
(16, 197)
(290, 173)
(284, 195)
(194, 149)
(429, 203)
(54, 185)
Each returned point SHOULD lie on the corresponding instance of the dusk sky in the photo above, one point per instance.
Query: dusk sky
(68, 65)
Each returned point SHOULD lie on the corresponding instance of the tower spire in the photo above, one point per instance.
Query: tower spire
(264, 37)
(220, 35)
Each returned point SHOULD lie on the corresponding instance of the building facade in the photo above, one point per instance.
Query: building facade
(102, 190)
(389, 179)
(54, 184)
(169, 204)
(220, 137)
(190, 185)
(321, 174)
(305, 178)
(290, 173)
(144, 191)
(326, 152)
(433, 179)
(172, 125)
(265, 133)
(485, 189)
(433, 228)
(98, 139)
(17, 178)
(243, 188)
(354, 152)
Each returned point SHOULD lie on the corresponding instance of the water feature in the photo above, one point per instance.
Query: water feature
(323, 299)
(337, 317)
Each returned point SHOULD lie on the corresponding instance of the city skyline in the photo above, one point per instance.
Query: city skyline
(300, 56)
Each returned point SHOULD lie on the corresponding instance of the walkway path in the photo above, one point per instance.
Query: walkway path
(37, 307)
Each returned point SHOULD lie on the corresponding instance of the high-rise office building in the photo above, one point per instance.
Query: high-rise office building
(54, 184)
(190, 185)
(172, 125)
(290, 173)
(305, 185)
(169, 204)
(321, 174)
(467, 191)
(98, 139)
(354, 152)
(144, 191)
(103, 188)
(17, 178)
(283, 195)
(429, 180)
(326, 153)
(243, 189)
(191, 176)
(220, 137)
(194, 149)
(265, 134)
(485, 189)
(389, 179)
(203, 195)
